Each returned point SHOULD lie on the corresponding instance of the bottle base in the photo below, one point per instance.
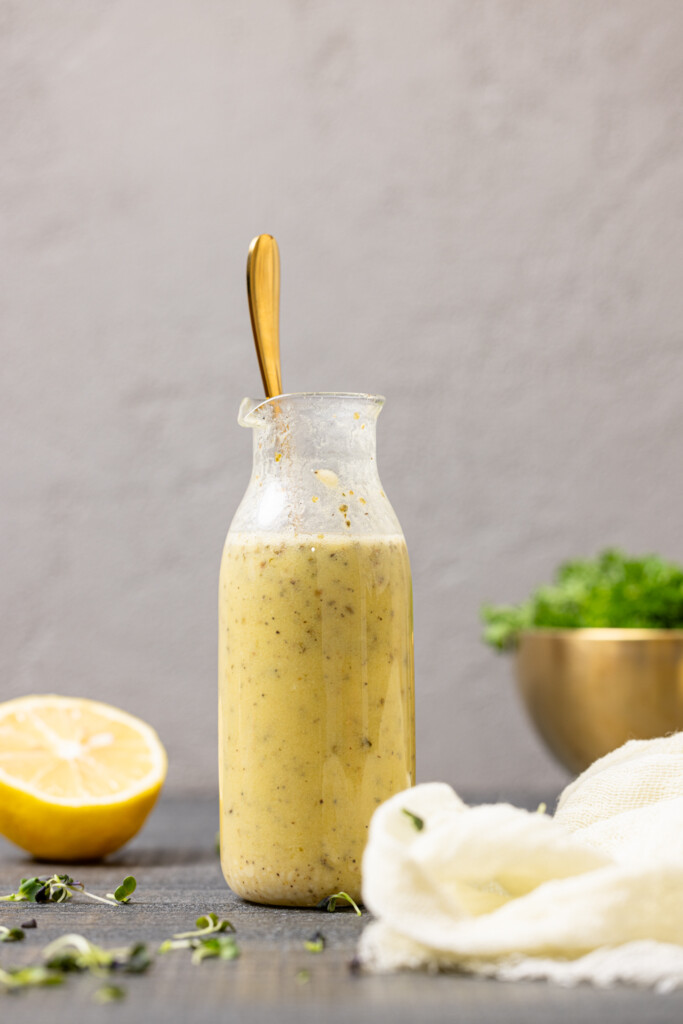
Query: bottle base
(290, 894)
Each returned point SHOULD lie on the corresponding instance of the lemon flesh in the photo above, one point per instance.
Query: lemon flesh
(77, 777)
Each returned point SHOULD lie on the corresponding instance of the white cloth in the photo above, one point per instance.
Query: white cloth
(594, 893)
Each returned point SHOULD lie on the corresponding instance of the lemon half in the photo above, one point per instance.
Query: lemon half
(77, 777)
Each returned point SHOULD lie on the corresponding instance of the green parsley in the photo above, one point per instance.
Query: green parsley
(614, 590)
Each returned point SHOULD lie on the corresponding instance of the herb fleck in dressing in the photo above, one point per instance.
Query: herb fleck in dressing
(316, 707)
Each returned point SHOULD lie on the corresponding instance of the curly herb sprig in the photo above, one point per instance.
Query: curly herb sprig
(614, 590)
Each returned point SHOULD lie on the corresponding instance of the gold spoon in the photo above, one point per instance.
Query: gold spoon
(263, 290)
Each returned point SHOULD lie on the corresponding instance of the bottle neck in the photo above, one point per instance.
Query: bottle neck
(315, 466)
(303, 447)
(307, 433)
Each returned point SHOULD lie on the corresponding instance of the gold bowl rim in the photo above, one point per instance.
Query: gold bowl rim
(605, 633)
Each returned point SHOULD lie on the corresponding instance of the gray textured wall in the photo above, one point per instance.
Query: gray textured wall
(479, 208)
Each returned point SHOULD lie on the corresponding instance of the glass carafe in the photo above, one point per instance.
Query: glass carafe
(316, 707)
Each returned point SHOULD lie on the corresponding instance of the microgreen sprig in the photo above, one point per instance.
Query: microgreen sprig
(26, 893)
(208, 940)
(28, 977)
(330, 902)
(59, 888)
(222, 946)
(76, 953)
(123, 892)
(207, 924)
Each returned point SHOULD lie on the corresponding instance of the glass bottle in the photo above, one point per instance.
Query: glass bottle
(316, 706)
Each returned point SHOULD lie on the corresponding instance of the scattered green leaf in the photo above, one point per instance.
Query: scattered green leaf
(302, 977)
(10, 934)
(138, 959)
(109, 994)
(417, 822)
(316, 943)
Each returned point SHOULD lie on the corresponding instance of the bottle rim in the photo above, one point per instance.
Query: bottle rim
(250, 407)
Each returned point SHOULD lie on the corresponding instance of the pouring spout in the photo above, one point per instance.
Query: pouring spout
(245, 416)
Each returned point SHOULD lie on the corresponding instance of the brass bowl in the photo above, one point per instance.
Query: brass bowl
(589, 690)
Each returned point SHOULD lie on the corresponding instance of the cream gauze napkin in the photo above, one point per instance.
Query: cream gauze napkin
(594, 893)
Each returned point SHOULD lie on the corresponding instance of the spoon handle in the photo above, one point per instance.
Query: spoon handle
(263, 290)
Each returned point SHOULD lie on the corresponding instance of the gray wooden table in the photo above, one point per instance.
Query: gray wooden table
(179, 877)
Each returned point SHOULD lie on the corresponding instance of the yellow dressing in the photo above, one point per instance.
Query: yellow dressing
(316, 707)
